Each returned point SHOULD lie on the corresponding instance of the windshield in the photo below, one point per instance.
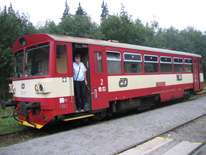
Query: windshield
(18, 64)
(37, 60)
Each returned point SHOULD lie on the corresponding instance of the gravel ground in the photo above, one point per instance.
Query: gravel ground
(192, 132)
(112, 136)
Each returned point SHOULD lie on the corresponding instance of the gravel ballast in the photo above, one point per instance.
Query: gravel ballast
(112, 136)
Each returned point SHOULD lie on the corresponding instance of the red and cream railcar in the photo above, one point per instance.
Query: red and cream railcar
(120, 77)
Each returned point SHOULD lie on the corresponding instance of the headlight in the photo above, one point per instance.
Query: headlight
(36, 87)
(39, 88)
(22, 41)
(12, 88)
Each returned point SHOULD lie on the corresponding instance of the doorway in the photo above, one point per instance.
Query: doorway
(83, 51)
(196, 79)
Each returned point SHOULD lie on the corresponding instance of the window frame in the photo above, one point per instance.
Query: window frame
(187, 59)
(97, 62)
(27, 51)
(200, 65)
(132, 54)
(66, 58)
(190, 64)
(177, 62)
(15, 63)
(165, 62)
(137, 61)
(151, 61)
(109, 51)
(162, 62)
(118, 60)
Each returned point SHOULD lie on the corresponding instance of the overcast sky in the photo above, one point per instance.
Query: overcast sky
(177, 13)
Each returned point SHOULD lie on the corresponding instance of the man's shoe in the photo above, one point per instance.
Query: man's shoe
(82, 110)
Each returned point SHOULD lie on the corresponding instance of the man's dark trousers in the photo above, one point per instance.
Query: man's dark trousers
(80, 94)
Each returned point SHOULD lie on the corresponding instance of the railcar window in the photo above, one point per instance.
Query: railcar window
(178, 65)
(188, 65)
(61, 56)
(98, 67)
(201, 69)
(18, 64)
(151, 64)
(132, 63)
(114, 62)
(166, 64)
(195, 62)
(37, 60)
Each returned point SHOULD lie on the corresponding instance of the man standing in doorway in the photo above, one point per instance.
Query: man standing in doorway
(80, 82)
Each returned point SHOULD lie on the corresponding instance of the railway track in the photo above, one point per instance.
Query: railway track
(127, 150)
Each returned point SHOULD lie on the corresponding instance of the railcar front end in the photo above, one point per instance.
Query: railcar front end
(39, 93)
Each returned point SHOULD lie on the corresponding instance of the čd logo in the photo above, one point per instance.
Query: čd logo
(123, 82)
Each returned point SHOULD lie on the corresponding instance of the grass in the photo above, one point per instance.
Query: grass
(9, 124)
(7, 112)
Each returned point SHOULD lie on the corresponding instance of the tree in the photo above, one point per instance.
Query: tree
(10, 9)
(123, 12)
(13, 26)
(105, 11)
(122, 28)
(49, 27)
(66, 10)
(80, 11)
(79, 26)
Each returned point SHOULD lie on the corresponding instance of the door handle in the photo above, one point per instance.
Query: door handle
(95, 93)
(71, 88)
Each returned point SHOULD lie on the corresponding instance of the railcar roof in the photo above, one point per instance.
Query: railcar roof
(120, 45)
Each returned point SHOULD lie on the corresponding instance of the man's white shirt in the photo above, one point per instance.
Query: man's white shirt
(79, 70)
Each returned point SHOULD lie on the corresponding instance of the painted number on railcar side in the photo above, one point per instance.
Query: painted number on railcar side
(101, 82)
(63, 106)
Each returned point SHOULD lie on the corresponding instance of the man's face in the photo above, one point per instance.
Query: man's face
(77, 60)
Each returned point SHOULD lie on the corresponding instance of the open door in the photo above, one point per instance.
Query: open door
(201, 75)
(83, 51)
(98, 72)
(196, 80)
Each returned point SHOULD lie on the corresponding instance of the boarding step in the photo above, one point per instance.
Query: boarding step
(78, 117)
(163, 146)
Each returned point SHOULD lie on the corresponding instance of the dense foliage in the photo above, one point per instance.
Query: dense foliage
(119, 27)
(12, 26)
